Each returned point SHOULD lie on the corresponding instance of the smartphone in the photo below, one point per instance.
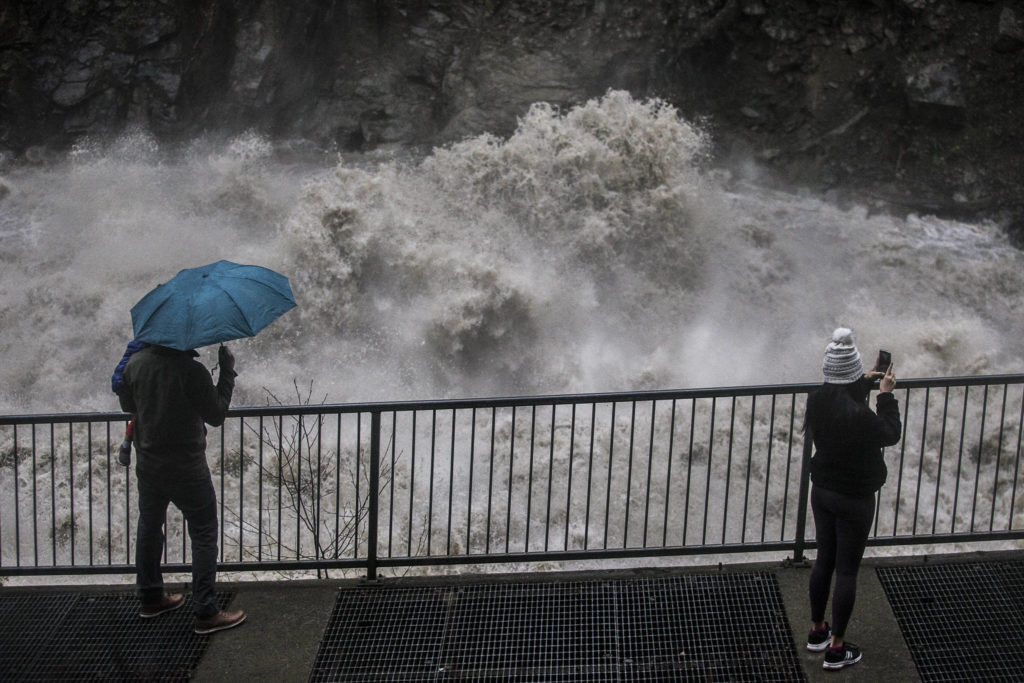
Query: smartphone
(884, 360)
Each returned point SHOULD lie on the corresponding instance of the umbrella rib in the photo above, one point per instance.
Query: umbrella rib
(166, 301)
(241, 309)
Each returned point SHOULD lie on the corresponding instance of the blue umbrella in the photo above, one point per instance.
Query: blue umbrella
(210, 304)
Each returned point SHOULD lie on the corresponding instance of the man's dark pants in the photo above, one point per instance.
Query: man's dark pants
(194, 495)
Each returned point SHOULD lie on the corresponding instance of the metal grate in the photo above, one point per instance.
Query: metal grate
(374, 631)
(960, 621)
(531, 632)
(694, 627)
(91, 636)
(719, 627)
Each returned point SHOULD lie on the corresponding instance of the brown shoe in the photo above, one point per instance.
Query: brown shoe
(166, 604)
(219, 621)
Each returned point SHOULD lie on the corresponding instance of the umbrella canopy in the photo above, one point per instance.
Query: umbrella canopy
(210, 304)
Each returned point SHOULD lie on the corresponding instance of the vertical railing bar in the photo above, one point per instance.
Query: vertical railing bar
(878, 508)
(110, 502)
(768, 468)
(127, 514)
(920, 459)
(373, 497)
(298, 488)
(361, 499)
(184, 529)
(707, 482)
(750, 465)
(359, 483)
(241, 489)
(430, 488)
(981, 452)
(689, 469)
(789, 464)
(959, 461)
(999, 458)
(942, 457)
(728, 468)
(529, 482)
(1016, 461)
(17, 501)
(318, 510)
(280, 479)
(391, 477)
(53, 496)
(568, 494)
(551, 469)
(220, 524)
(35, 498)
(469, 497)
(412, 481)
(650, 466)
(668, 473)
(14, 461)
(608, 487)
(259, 495)
(17, 506)
(337, 488)
(490, 482)
(899, 475)
(629, 474)
(88, 455)
(590, 475)
(71, 492)
(511, 464)
(451, 485)
(167, 539)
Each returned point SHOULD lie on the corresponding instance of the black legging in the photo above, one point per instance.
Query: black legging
(841, 524)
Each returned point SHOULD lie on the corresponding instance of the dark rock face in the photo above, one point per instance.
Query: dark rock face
(914, 101)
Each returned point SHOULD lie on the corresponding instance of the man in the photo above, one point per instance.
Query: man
(172, 396)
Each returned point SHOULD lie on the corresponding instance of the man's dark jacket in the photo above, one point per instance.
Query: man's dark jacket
(171, 395)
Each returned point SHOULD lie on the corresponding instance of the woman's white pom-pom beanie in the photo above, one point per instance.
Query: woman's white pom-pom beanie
(842, 363)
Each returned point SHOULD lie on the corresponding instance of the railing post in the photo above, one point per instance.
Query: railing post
(373, 503)
(805, 486)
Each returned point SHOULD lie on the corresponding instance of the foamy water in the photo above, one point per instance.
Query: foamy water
(593, 250)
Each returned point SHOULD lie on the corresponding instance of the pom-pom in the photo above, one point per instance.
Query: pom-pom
(843, 335)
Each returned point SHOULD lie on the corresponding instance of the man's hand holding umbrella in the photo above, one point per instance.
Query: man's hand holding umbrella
(225, 359)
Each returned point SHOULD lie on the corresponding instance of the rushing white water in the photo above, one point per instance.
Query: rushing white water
(595, 249)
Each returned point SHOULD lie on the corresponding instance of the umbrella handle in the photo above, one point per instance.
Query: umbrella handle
(217, 364)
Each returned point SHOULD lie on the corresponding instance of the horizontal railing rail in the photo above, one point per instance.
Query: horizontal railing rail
(514, 480)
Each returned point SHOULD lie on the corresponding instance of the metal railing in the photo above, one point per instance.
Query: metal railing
(517, 480)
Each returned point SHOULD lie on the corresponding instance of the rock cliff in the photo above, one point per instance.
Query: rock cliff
(917, 103)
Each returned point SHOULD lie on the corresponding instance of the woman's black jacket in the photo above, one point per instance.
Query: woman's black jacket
(849, 437)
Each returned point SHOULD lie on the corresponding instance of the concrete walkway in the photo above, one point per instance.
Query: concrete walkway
(287, 620)
(280, 638)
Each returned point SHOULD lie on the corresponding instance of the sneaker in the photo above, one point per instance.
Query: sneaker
(166, 604)
(218, 622)
(838, 657)
(817, 639)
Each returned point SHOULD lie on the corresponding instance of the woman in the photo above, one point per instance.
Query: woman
(846, 471)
